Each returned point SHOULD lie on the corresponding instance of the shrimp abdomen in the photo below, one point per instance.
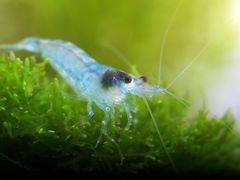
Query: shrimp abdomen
(66, 58)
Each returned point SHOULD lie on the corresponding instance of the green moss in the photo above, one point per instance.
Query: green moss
(43, 130)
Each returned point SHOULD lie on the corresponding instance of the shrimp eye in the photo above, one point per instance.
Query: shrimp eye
(144, 78)
(127, 79)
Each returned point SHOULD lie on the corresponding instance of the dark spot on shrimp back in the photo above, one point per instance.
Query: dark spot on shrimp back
(112, 78)
(108, 79)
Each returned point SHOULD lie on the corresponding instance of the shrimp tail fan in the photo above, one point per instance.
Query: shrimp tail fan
(28, 44)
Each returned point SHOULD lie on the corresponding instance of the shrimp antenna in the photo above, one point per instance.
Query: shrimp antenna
(119, 54)
(164, 40)
(188, 66)
(177, 98)
(159, 133)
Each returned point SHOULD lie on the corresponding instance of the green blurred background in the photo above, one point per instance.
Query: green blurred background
(134, 27)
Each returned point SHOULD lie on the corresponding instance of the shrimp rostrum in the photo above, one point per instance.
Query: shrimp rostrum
(96, 83)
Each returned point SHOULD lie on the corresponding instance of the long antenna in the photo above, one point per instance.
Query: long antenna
(189, 65)
(164, 40)
(159, 134)
(177, 98)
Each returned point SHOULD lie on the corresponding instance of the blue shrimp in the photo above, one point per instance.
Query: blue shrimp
(104, 85)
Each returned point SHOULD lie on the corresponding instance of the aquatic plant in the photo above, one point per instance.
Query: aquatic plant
(44, 129)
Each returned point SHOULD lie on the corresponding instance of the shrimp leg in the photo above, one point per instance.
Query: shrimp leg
(107, 115)
(128, 110)
(89, 109)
